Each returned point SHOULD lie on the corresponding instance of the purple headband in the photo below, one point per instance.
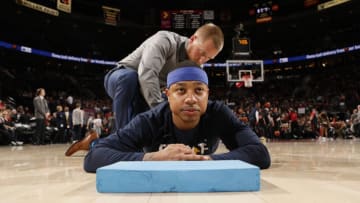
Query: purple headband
(187, 74)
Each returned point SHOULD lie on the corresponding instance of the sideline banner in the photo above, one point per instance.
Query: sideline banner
(330, 4)
(38, 7)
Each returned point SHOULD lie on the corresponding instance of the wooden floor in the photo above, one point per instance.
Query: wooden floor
(302, 171)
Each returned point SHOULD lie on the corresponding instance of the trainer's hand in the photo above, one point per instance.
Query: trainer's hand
(175, 152)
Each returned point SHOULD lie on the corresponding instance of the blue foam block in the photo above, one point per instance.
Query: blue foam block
(178, 176)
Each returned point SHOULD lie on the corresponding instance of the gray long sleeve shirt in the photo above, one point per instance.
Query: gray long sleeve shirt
(153, 60)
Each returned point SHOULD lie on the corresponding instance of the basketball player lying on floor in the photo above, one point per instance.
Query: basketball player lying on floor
(186, 127)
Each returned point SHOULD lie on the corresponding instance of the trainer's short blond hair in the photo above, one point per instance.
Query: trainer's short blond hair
(213, 32)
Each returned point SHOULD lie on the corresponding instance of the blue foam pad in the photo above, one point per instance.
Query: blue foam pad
(178, 176)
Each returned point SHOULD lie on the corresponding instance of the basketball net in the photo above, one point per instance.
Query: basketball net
(247, 81)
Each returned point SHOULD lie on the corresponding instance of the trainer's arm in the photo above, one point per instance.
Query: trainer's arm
(153, 58)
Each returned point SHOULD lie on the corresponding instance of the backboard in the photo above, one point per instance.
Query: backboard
(239, 70)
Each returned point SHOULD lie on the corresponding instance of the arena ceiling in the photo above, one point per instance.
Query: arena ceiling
(293, 27)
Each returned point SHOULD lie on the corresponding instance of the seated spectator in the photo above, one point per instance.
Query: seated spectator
(7, 130)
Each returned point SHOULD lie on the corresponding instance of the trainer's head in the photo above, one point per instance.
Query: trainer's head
(187, 92)
(205, 44)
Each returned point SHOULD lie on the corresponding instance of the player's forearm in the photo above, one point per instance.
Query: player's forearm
(254, 154)
(102, 156)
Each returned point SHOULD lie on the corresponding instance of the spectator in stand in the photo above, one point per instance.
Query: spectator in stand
(314, 121)
(78, 122)
(355, 121)
(98, 124)
(254, 116)
(68, 121)
(60, 124)
(41, 112)
(294, 126)
(324, 126)
(7, 129)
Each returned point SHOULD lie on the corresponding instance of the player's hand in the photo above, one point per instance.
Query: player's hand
(175, 152)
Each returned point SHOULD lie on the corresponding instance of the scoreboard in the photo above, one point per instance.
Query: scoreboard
(185, 19)
(263, 11)
(241, 46)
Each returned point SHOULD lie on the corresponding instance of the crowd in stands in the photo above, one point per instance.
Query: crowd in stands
(17, 122)
(322, 102)
(291, 104)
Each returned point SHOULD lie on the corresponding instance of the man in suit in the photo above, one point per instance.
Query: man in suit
(41, 112)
